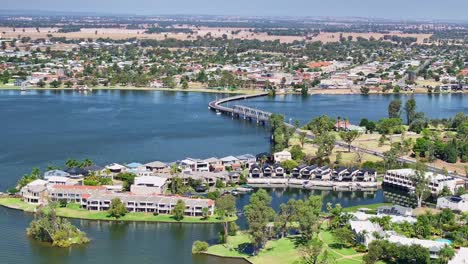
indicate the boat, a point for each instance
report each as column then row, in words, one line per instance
column 218, row 112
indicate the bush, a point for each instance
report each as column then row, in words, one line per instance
column 361, row 248
column 199, row 247
column 233, row 228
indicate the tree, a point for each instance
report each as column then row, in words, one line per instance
column 345, row 235
column 420, row 182
column 258, row 214
column 41, row 83
column 68, row 84
column 289, row 165
column 296, row 153
column 72, row 163
column 225, row 208
column 326, row 144
column 321, row 125
column 410, row 109
column 117, row 209
column 446, row 254
column 349, row 137
column 174, row 171
column 365, row 90
column 199, row 247
column 302, row 138
column 307, row 215
column 86, row 163
column 55, row 83
column 179, row 210
column 311, row 253
column 285, row 217
column 394, row 108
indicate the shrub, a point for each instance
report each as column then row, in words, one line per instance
column 199, row 247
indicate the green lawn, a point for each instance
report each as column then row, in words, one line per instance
column 284, row 251
column 74, row 211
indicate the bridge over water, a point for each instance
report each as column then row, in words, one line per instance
column 241, row 111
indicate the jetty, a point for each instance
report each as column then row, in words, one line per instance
column 240, row 111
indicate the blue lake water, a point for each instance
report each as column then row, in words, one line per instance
column 41, row 128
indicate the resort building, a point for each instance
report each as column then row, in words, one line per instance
column 455, row 203
column 433, row 246
column 160, row 204
column 402, row 178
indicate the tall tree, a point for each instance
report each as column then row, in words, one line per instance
column 117, row 209
column 179, row 210
column 420, row 182
column 307, row 216
column 349, row 137
column 259, row 213
column 285, row 217
column 410, row 109
column 225, row 207
column 394, row 108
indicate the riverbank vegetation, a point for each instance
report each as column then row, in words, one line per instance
column 49, row 227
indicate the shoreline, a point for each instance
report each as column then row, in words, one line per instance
column 239, row 91
column 28, row 208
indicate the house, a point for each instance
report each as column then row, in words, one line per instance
column 282, row 156
column 134, row 165
column 246, row 159
column 59, row 180
column 342, row 125
column 455, row 203
column 34, row 192
column 323, row 173
column 77, row 172
column 279, row 171
column 53, row 173
column 149, row 185
column 156, row 166
column 73, row 193
column 234, row 177
column 255, row 171
column 229, row 160
column 433, row 246
column 268, row 170
column 364, row 231
column 116, row 168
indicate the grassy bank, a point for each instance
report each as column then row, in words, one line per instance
column 368, row 206
column 74, row 211
column 284, row 250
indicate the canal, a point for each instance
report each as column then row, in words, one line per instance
column 41, row 128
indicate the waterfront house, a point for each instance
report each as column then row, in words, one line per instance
column 53, row 173
column 234, row 177
column 156, row 166
column 73, row 193
column 133, row 165
column 116, row 168
column 295, row 173
column 246, row 160
column 322, row 173
column 268, row 170
column 282, row 156
column 94, row 168
column 214, row 164
column 401, row 178
column 34, row 192
column 77, row 172
column 149, row 185
column 455, row 203
column 306, row 171
column 279, row 171
column 229, row 160
column 60, row 180
column 366, row 175
column 255, row 171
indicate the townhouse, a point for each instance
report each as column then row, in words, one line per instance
column 402, row 178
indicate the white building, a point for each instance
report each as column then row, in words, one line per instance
column 461, row 257
column 433, row 246
column 149, row 185
column 456, row 203
column 364, row 231
column 282, row 156
column 402, row 178
column 34, row 192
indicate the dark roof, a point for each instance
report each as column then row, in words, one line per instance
column 455, row 199
column 77, row 171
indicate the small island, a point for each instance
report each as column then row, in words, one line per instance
column 50, row 228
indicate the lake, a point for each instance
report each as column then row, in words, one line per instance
column 41, row 128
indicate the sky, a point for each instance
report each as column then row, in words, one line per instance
column 394, row 9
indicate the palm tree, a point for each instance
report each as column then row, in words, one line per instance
column 446, row 254
column 174, row 173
